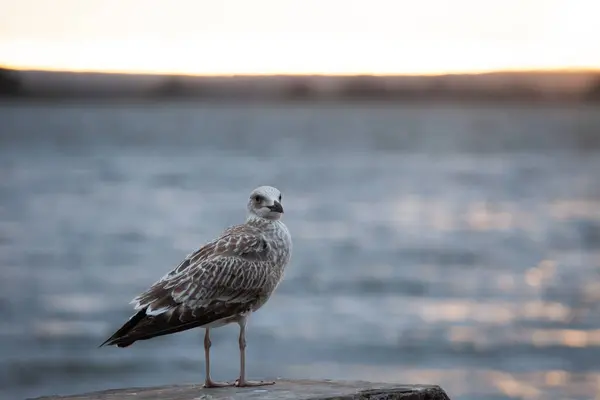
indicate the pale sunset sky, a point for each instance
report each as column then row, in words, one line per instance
column 300, row 36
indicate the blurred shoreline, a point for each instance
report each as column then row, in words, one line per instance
column 548, row 87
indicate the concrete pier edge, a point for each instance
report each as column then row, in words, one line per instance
column 283, row 389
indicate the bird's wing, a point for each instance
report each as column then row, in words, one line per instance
column 224, row 270
column 221, row 279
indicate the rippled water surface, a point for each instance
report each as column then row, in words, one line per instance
column 435, row 244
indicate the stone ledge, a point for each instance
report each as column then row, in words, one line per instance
column 283, row 389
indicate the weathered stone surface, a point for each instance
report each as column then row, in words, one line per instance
column 283, row 389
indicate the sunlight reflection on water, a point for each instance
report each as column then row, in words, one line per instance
column 462, row 258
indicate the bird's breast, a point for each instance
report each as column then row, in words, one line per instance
column 281, row 243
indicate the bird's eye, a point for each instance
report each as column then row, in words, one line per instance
column 280, row 198
column 257, row 198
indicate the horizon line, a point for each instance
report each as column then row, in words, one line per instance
column 116, row 71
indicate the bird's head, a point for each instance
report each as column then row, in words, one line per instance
column 265, row 202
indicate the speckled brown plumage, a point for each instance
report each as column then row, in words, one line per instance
column 230, row 276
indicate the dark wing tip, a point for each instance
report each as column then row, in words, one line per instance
column 119, row 337
column 119, row 342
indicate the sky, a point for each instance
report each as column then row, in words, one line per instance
column 299, row 36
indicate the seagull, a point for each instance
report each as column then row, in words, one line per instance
column 222, row 282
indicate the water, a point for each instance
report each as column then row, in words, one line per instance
column 433, row 244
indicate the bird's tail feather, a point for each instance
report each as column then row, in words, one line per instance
column 142, row 326
column 118, row 337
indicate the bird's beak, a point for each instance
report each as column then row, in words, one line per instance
column 276, row 207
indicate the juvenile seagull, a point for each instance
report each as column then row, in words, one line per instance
column 222, row 282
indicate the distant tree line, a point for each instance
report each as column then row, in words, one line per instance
column 172, row 87
column 10, row 83
column 593, row 94
column 360, row 88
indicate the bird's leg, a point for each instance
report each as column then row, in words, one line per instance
column 241, row 381
column 208, row 382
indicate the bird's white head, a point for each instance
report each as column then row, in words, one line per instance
column 265, row 202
